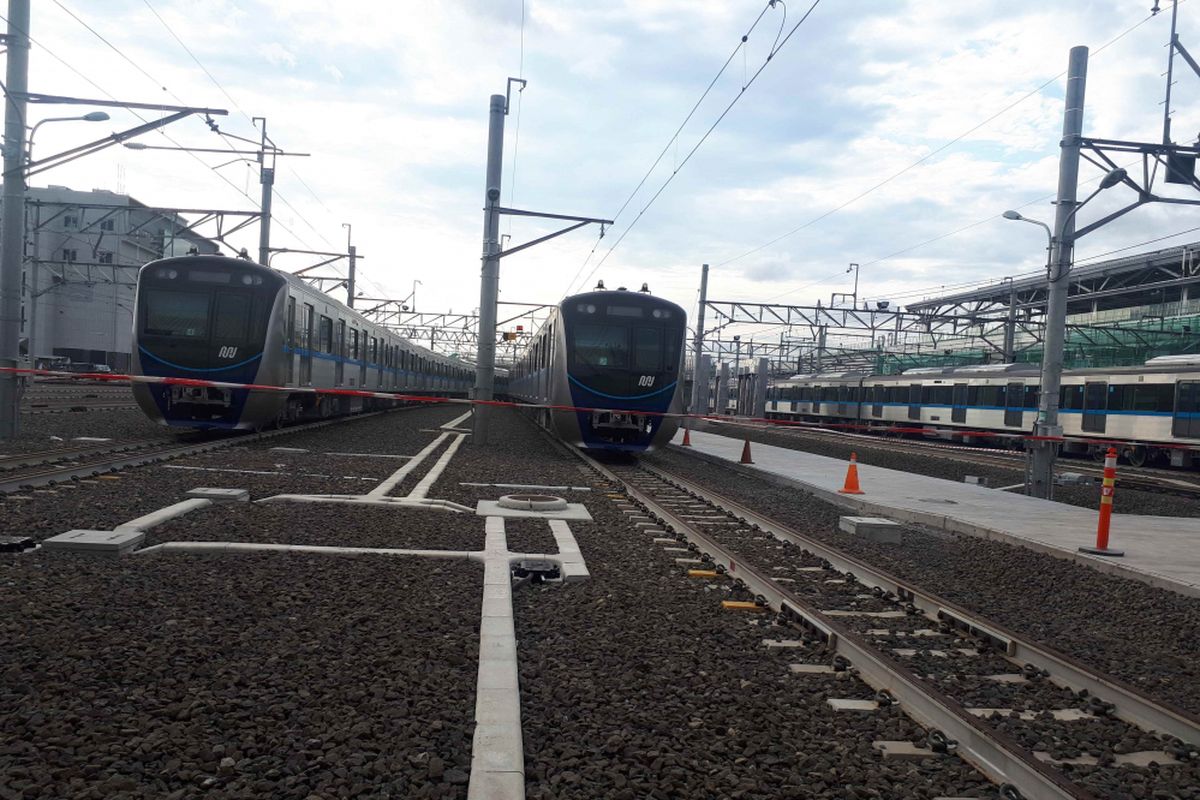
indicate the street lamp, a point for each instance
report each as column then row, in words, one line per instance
column 91, row 116
column 1043, row 448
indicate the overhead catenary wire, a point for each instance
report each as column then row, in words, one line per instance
column 703, row 138
column 740, row 46
column 232, row 146
column 923, row 159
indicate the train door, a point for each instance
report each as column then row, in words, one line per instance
column 339, row 353
column 306, row 344
column 1014, row 406
column 958, row 403
column 1186, row 423
column 914, row 401
column 1095, row 406
column 877, row 406
column 290, row 338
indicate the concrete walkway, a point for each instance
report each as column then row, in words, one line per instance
column 1160, row 551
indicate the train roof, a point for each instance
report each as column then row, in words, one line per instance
column 609, row 294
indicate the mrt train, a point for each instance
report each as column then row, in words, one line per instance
column 1150, row 412
column 233, row 321
column 615, row 358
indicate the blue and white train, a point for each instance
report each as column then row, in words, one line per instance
column 618, row 353
column 234, row 321
column 1152, row 412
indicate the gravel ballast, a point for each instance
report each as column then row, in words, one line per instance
column 1146, row 636
column 636, row 684
column 256, row 676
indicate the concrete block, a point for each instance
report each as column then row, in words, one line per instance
column 573, row 511
column 811, row 669
column 15, row 544
column 839, row 704
column 110, row 543
column 902, row 750
column 977, row 480
column 220, row 495
column 873, row 529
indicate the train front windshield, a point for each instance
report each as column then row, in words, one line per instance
column 203, row 315
column 624, row 346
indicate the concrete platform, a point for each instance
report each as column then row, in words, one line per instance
column 1160, row 551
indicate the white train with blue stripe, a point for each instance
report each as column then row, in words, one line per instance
column 1151, row 412
column 230, row 320
column 619, row 355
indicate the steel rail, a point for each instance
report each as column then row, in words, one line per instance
column 10, row 483
column 1131, row 705
column 996, row 755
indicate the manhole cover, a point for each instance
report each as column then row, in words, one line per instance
column 941, row 500
column 533, row 502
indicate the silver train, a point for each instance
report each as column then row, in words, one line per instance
column 618, row 354
column 1151, row 412
column 230, row 320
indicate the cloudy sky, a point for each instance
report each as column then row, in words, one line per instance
column 391, row 99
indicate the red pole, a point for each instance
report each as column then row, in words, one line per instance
column 1107, row 489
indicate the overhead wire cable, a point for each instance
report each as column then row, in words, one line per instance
column 135, row 113
column 512, row 181
column 1034, row 92
column 703, row 138
column 672, row 142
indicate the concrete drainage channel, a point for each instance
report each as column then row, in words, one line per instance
column 497, row 755
column 871, row 625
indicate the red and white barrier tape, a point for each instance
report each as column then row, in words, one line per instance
column 114, row 377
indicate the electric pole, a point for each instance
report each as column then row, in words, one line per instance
column 12, row 229
column 698, row 374
column 266, row 177
column 489, row 290
column 1044, row 448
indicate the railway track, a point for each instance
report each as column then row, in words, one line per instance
column 1038, row 722
column 1141, row 478
column 31, row 470
column 70, row 404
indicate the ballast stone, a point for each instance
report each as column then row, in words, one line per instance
column 873, row 529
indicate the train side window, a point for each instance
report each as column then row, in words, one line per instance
column 1071, row 397
column 1031, row 395
column 340, row 341
column 325, row 335
column 306, row 326
column 647, row 349
column 1154, row 397
column 290, row 332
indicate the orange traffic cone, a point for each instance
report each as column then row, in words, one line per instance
column 851, row 486
column 746, row 453
column 687, row 438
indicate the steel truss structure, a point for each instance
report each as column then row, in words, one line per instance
column 817, row 338
column 453, row 333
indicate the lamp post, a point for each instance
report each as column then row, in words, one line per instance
column 91, row 116
column 1043, row 448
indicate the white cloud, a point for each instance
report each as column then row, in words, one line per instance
column 391, row 100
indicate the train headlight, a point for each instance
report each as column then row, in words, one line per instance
column 587, row 308
column 247, row 279
column 172, row 274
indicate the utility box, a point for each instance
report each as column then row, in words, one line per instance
column 873, row 529
column 977, row 480
column 105, row 543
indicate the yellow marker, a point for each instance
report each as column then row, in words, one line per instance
column 742, row 605
column 108, row 477
column 702, row 573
